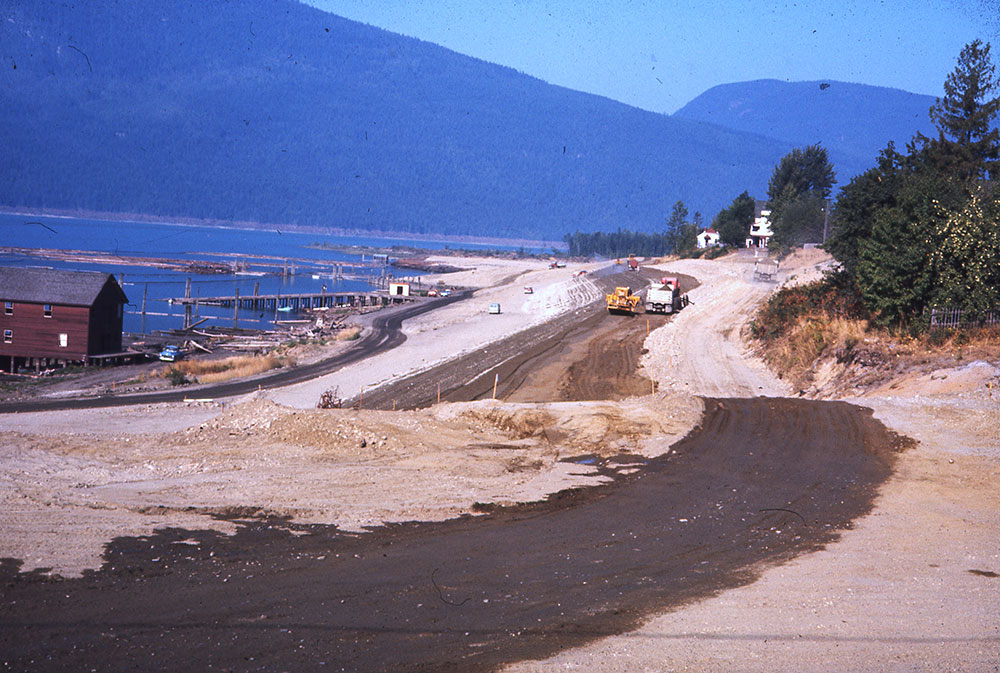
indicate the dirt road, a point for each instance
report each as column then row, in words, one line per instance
column 906, row 587
column 472, row 593
column 704, row 352
column 586, row 354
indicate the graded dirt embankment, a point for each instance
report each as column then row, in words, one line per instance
column 909, row 586
column 469, row 593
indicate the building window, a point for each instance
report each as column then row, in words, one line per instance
column 63, row 340
column 8, row 336
column 47, row 310
column 8, row 307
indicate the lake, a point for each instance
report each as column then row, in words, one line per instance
column 267, row 257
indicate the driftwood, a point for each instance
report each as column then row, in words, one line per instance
column 195, row 344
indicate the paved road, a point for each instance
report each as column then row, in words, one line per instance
column 385, row 334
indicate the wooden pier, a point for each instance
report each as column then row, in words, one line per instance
column 296, row 301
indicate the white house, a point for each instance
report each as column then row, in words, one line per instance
column 708, row 238
column 399, row 289
column 760, row 230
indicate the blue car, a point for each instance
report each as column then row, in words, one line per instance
column 171, row 354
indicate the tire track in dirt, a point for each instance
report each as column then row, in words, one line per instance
column 740, row 493
column 472, row 593
column 586, row 354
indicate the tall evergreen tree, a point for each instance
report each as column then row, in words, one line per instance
column 968, row 144
column 733, row 223
column 894, row 272
column 866, row 194
column 675, row 225
column 922, row 230
column 799, row 186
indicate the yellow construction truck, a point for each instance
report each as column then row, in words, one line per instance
column 623, row 301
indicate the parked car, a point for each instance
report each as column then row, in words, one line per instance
column 528, row 289
column 495, row 308
column 171, row 353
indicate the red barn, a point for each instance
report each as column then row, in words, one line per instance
column 53, row 316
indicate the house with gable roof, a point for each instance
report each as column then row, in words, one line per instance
column 708, row 238
column 54, row 316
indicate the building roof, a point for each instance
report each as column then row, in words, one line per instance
column 54, row 286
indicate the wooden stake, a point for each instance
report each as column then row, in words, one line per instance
column 361, row 397
column 439, row 392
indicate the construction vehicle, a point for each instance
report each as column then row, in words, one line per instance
column 633, row 263
column 665, row 296
column 623, row 301
column 765, row 269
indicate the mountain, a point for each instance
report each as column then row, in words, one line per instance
column 273, row 111
column 853, row 121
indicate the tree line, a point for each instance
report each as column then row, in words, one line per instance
column 921, row 229
column 679, row 236
column 917, row 231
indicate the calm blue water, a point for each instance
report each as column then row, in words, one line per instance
column 264, row 251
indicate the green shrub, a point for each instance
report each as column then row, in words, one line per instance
column 176, row 377
column 833, row 296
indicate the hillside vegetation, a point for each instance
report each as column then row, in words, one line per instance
column 917, row 245
column 272, row 111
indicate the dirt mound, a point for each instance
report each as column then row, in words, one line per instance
column 601, row 428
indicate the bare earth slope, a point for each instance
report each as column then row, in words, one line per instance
column 913, row 586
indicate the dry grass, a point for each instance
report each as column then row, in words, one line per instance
column 349, row 334
column 215, row 371
column 519, row 423
column 795, row 354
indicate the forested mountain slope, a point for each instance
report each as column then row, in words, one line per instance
column 273, row 111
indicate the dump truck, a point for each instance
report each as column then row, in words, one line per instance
column 623, row 301
column 765, row 269
column 665, row 296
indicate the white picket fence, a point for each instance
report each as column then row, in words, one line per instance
column 952, row 318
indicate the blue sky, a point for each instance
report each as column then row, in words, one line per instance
column 660, row 55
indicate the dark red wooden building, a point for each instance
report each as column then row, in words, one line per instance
column 49, row 316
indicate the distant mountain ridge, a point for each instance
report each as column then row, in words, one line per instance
column 853, row 121
column 273, row 111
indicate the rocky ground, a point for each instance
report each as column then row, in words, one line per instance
column 913, row 586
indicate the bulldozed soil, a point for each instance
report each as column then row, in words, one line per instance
column 636, row 532
column 470, row 593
